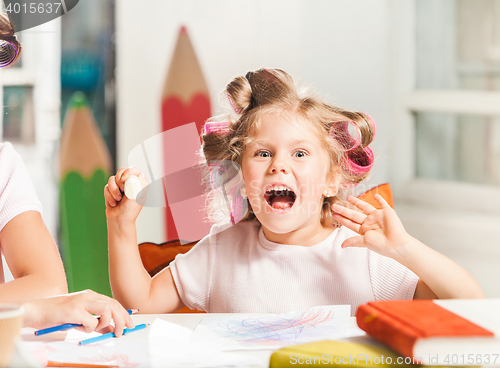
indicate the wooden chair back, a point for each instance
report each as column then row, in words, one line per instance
column 155, row 257
column 384, row 190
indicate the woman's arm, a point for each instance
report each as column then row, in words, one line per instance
column 130, row 282
column 381, row 231
column 33, row 259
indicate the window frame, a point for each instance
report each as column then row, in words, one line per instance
column 409, row 100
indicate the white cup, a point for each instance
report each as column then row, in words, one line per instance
column 11, row 321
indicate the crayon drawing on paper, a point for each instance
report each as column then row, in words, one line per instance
column 247, row 331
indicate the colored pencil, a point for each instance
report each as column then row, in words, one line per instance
column 112, row 334
column 68, row 326
column 85, row 167
column 185, row 99
column 79, row 365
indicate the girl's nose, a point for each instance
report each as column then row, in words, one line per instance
column 279, row 166
column 273, row 171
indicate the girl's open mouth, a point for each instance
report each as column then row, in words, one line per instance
column 280, row 200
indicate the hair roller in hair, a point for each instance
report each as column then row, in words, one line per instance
column 346, row 133
column 359, row 163
column 232, row 103
column 8, row 53
column 238, row 209
column 216, row 127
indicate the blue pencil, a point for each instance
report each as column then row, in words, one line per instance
column 112, row 334
column 68, row 326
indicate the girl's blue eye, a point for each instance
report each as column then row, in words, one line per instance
column 262, row 153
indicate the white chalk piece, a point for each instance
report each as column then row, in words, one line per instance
column 132, row 187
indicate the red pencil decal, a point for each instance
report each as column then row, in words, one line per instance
column 185, row 100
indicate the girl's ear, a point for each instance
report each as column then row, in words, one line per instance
column 332, row 186
column 330, row 191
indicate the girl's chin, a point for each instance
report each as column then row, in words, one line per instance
column 278, row 229
column 278, row 223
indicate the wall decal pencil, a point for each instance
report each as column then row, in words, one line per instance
column 185, row 99
column 85, row 166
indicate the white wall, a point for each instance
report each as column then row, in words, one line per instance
column 41, row 57
column 339, row 47
column 359, row 53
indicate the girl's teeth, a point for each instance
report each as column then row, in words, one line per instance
column 278, row 188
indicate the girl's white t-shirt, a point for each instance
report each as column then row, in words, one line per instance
column 238, row 270
column 17, row 194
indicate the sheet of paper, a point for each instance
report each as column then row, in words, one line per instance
column 164, row 329
column 163, row 344
column 170, row 346
column 271, row 331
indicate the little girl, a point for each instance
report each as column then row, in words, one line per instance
column 300, row 244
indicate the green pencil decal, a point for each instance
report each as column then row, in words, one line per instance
column 85, row 167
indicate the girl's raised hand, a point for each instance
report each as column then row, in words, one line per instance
column 380, row 230
column 117, row 204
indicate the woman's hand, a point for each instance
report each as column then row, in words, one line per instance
column 77, row 308
column 117, row 204
column 380, row 230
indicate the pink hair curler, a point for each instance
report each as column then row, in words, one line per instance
column 216, row 127
column 357, row 169
column 8, row 53
column 340, row 132
column 220, row 175
column 237, row 209
column 232, row 103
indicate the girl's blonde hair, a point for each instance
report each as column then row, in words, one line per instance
column 272, row 91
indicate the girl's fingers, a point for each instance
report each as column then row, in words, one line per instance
column 109, row 198
column 118, row 178
column 354, row 242
column 352, row 215
column 381, row 201
column 114, row 189
column 362, row 205
column 351, row 225
column 128, row 172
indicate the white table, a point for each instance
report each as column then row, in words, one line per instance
column 190, row 321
